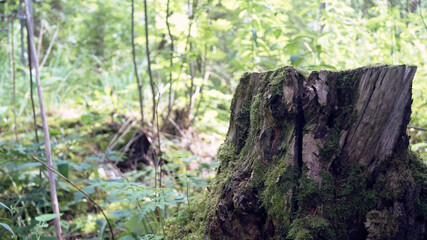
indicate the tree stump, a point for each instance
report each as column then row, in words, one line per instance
column 320, row 155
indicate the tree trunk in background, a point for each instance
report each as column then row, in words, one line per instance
column 318, row 156
column 21, row 31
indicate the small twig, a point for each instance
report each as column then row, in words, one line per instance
column 138, row 81
column 113, row 144
column 135, row 136
column 81, row 190
column 49, row 49
column 199, row 90
column 122, row 128
column 417, row 128
column 177, row 127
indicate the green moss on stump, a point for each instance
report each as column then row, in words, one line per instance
column 348, row 202
column 311, row 227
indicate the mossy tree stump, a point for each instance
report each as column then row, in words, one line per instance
column 321, row 155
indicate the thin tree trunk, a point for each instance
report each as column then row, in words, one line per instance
column 31, row 85
column 190, row 90
column 147, row 47
column 12, row 54
column 170, row 102
column 187, row 43
column 22, row 26
column 138, row 81
column 51, row 177
column 205, row 60
column 190, row 62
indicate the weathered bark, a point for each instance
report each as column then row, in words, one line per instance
column 318, row 156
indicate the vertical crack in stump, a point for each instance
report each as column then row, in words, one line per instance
column 299, row 124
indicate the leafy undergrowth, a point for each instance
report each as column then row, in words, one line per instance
column 93, row 152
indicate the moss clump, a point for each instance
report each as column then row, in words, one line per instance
column 190, row 223
column 419, row 173
column 254, row 116
column 339, row 200
column 311, row 227
column 226, row 155
column 392, row 184
column 309, row 196
column 243, row 117
column 332, row 146
column 243, row 124
column 399, row 176
column 353, row 200
column 277, row 194
column 382, row 225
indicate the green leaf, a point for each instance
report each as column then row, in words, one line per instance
column 277, row 32
column 3, row 205
column 48, row 217
column 101, row 223
column 65, row 224
column 79, row 195
column 94, row 158
column 133, row 225
column 63, row 169
column 81, row 166
column 8, row 228
column 115, row 158
column 296, row 59
column 119, row 213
